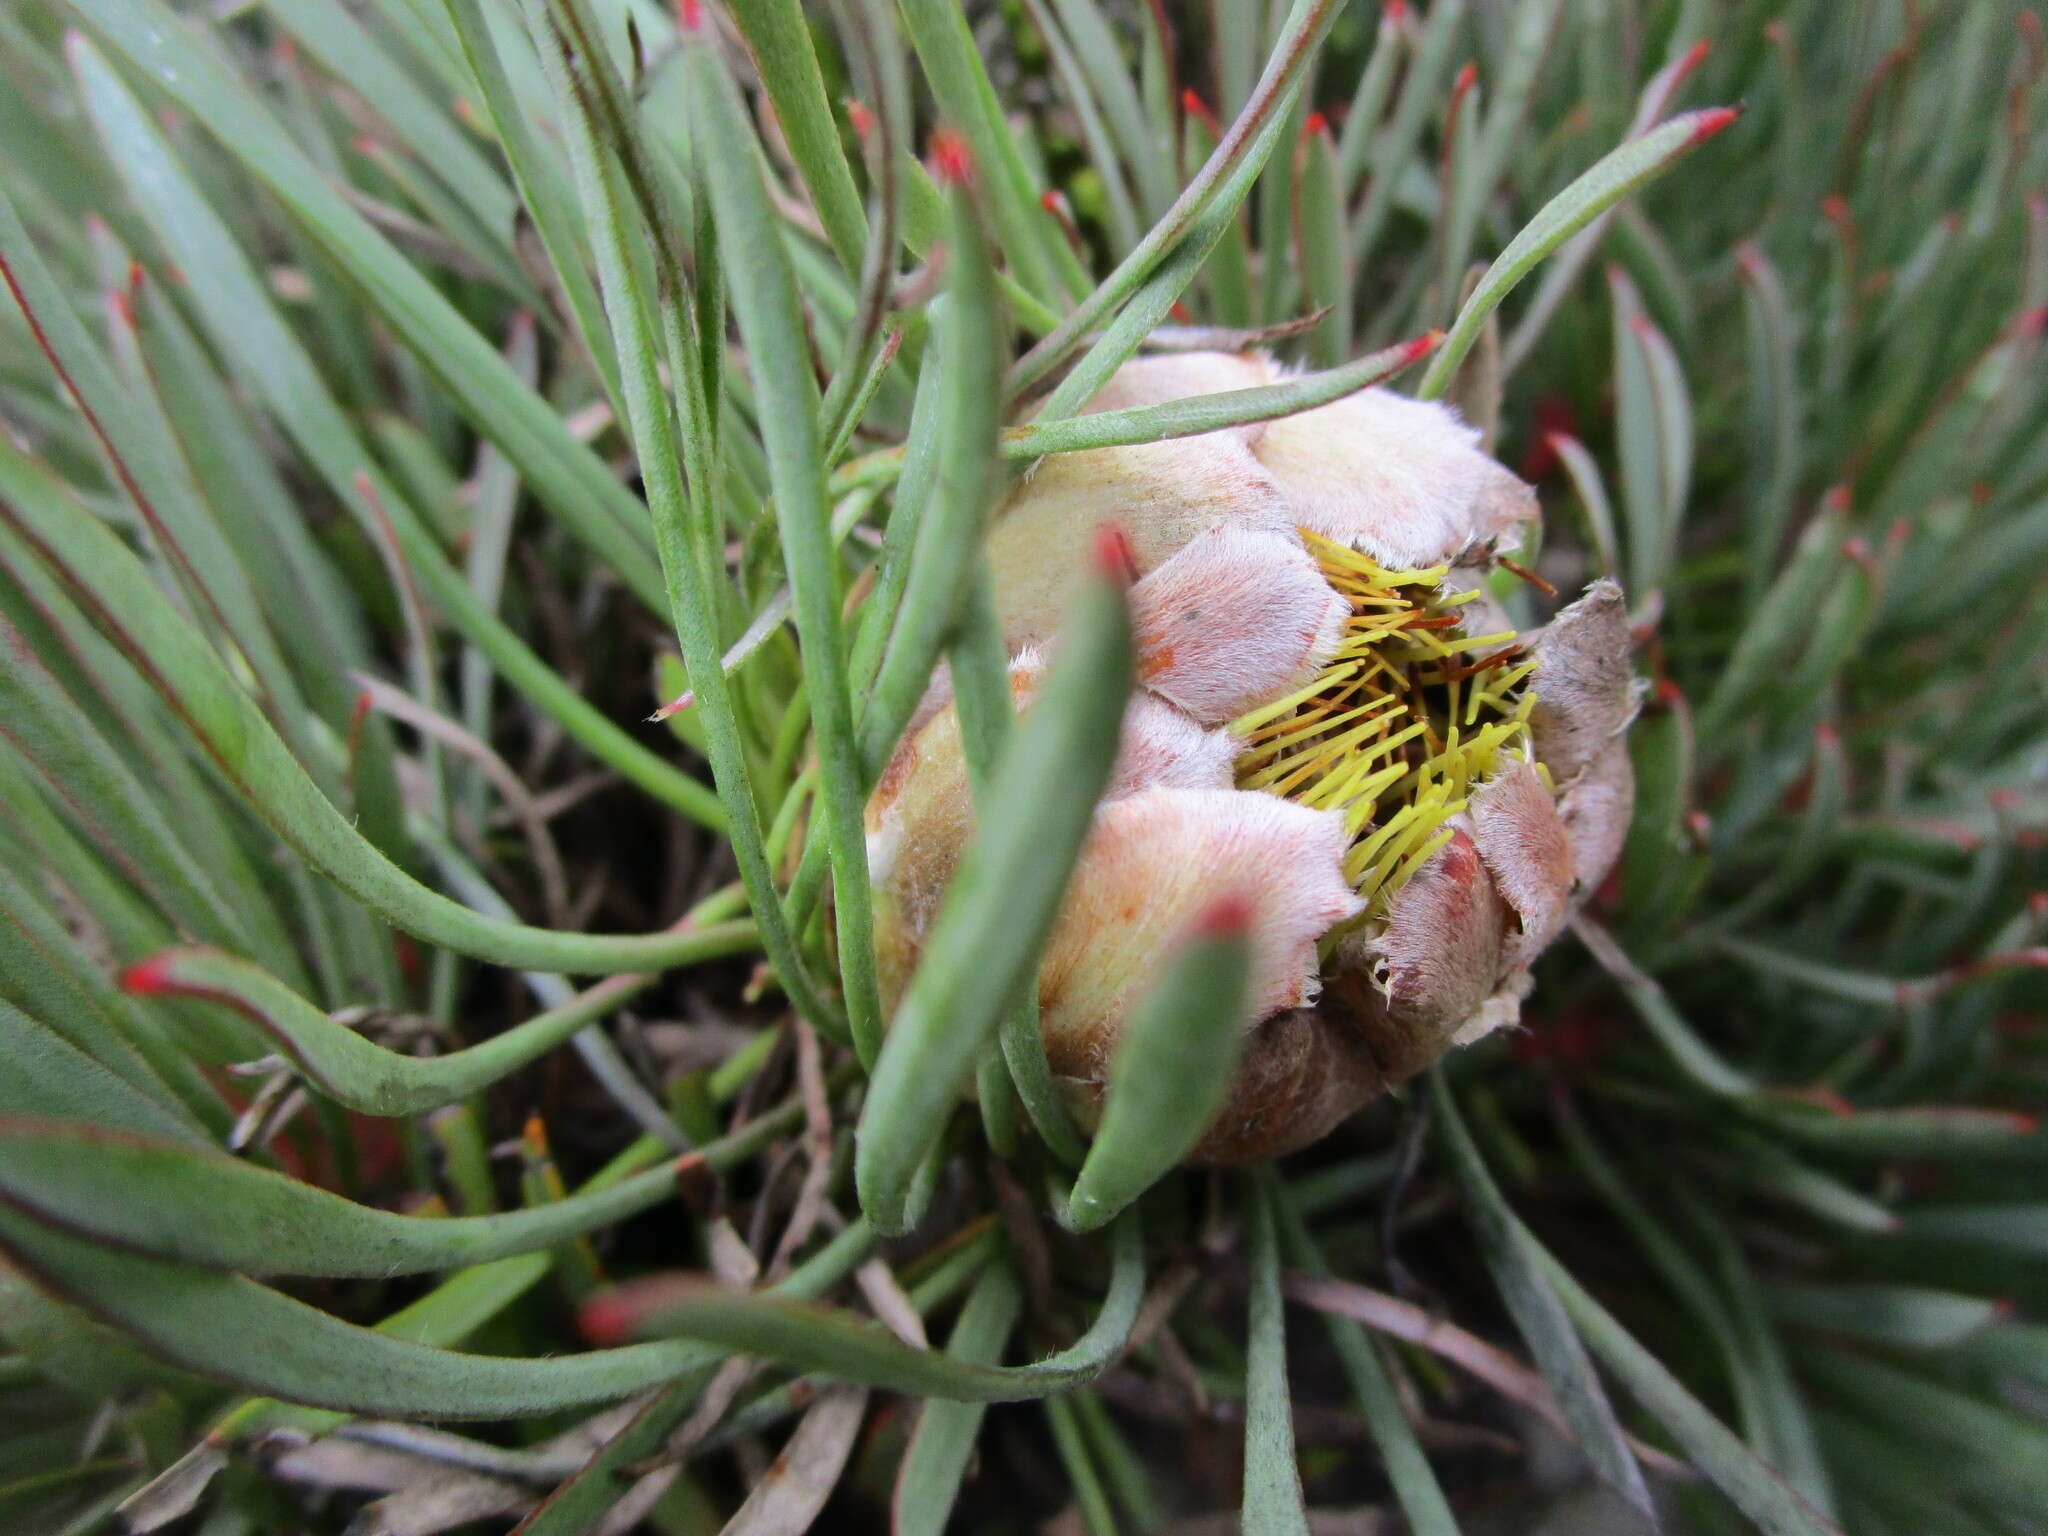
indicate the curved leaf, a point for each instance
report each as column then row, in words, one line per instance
column 189, row 1204
column 235, row 1330
column 1618, row 174
column 844, row 1344
column 364, row 1075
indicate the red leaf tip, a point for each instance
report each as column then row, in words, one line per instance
column 862, row 119
column 1315, row 124
column 675, row 706
column 1421, row 347
column 606, row 1320
column 1229, row 916
column 952, row 162
column 1466, row 79
column 1710, row 122
column 1396, row 9
column 690, row 15
column 149, row 978
column 1113, row 556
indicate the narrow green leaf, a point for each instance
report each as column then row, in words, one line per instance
column 1778, row 623
column 1272, row 1482
column 1074, row 76
column 1911, row 1316
column 1937, row 1132
column 1071, row 1446
column 928, row 1482
column 1539, row 1317
column 1327, row 277
column 1623, row 171
column 1591, row 487
column 981, row 694
column 1102, row 61
column 1226, row 279
column 952, row 511
column 1778, row 1172
column 692, row 599
column 1415, row 1485
column 1535, row 26
column 235, row 1330
column 1654, row 427
column 1700, row 1062
column 1211, row 413
column 47, row 1075
column 1732, row 1467
column 769, row 313
column 984, row 946
column 368, row 1077
column 2017, row 1226
column 144, row 463
column 779, row 38
column 1360, row 128
column 850, row 1346
column 1173, row 1067
column 1775, row 414
column 166, row 1200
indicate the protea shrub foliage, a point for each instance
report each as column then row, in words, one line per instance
column 1053, row 765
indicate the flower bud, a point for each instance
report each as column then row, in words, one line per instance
column 1331, row 717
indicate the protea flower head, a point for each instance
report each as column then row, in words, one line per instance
column 1332, row 718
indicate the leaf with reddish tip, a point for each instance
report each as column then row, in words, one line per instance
column 1173, row 1065
column 1619, row 174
